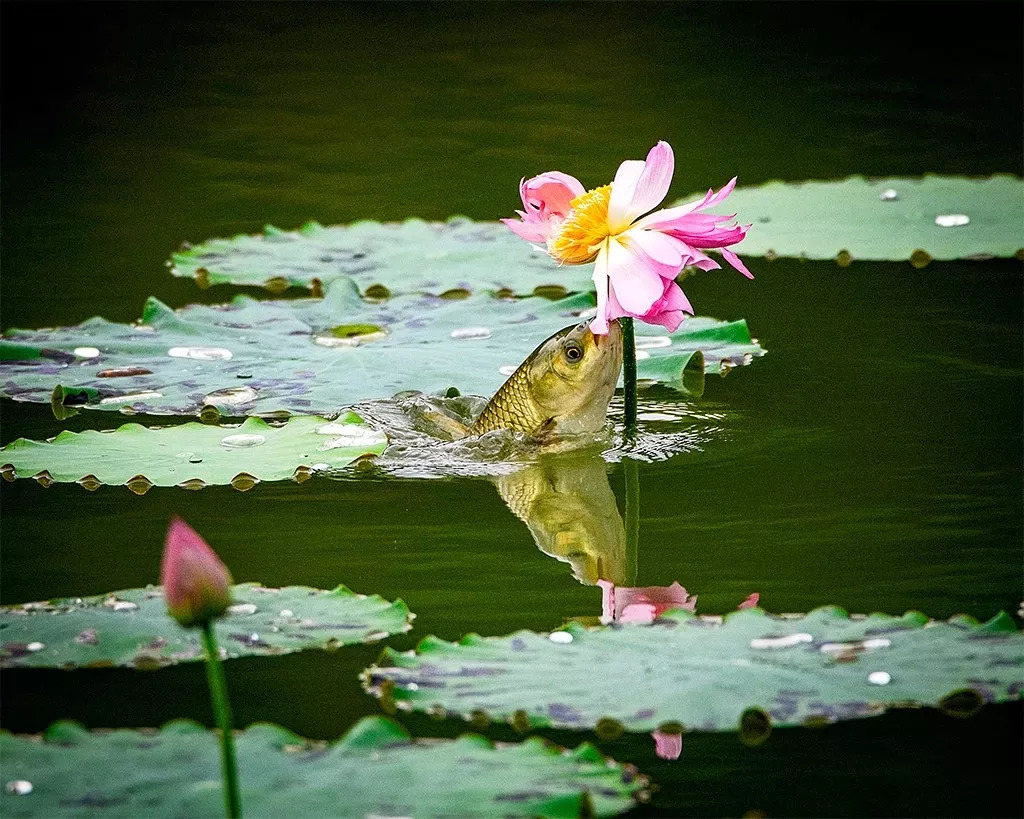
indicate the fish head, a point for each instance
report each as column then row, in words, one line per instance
column 572, row 377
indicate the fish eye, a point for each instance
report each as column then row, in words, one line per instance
column 573, row 351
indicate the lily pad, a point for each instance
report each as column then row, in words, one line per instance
column 254, row 357
column 408, row 257
column 132, row 627
column 376, row 769
column 895, row 219
column 194, row 455
column 709, row 674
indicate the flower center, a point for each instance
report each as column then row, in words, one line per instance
column 578, row 238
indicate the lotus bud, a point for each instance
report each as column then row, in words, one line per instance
column 197, row 585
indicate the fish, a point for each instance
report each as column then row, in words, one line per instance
column 557, row 398
column 563, row 388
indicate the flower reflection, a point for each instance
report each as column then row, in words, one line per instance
column 569, row 508
column 667, row 744
column 642, row 605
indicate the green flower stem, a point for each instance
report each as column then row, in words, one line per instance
column 631, row 471
column 629, row 375
column 222, row 715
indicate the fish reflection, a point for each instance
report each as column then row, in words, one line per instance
column 567, row 503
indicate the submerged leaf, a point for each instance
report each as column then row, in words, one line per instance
column 131, row 627
column 916, row 219
column 251, row 357
column 708, row 675
column 376, row 769
column 194, row 455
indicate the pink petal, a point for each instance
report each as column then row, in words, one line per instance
column 659, row 251
column 532, row 231
column 750, row 602
column 667, row 746
column 636, row 284
column 652, row 186
column 623, row 188
column 640, row 186
column 638, row 613
column 550, row 193
column 669, row 310
column 663, row 218
column 599, row 325
column 734, row 260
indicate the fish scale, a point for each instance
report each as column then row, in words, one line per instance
column 511, row 408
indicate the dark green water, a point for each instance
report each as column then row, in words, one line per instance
column 872, row 459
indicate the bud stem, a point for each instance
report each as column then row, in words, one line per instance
column 629, row 376
column 222, row 716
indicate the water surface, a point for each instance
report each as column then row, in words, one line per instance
column 871, row 459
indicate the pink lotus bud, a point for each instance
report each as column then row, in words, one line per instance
column 197, row 585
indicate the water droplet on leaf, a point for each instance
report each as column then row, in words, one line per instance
column 19, row 787
column 786, row 641
column 232, row 396
column 889, row 195
column 471, row 332
column 242, row 609
column 201, row 353
column 35, row 646
column 242, row 440
column 131, row 397
column 952, row 220
column 879, row 678
column 561, row 637
column 86, row 352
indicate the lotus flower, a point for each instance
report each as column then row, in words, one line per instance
column 197, row 585
column 637, row 257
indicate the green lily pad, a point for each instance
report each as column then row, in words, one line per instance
column 896, row 219
column 263, row 357
column 376, row 769
column 194, row 455
column 411, row 257
column 132, row 627
column 707, row 674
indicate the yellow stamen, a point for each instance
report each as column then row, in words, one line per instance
column 577, row 239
